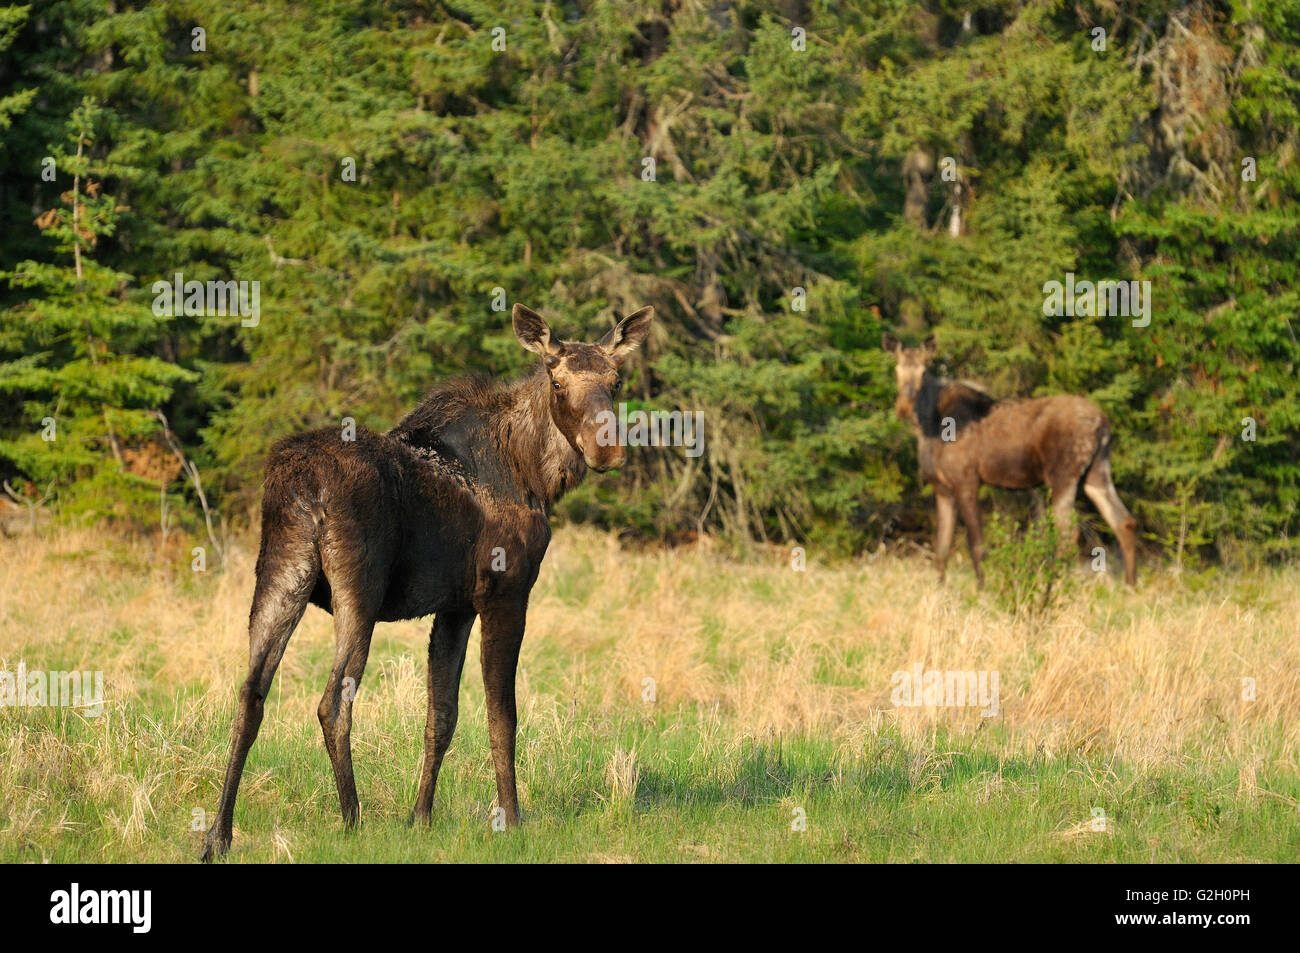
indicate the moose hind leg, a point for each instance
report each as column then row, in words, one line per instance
column 283, row 590
column 354, row 626
column 1067, row 528
column 1100, row 488
column 447, row 644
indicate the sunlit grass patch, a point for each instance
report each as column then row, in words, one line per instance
column 675, row 706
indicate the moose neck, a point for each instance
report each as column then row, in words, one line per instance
column 501, row 435
column 538, row 457
column 925, row 408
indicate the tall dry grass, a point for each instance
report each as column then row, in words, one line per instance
column 772, row 648
column 744, row 650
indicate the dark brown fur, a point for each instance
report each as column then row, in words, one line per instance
column 966, row 438
column 446, row 514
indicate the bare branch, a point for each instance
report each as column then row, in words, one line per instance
column 192, row 471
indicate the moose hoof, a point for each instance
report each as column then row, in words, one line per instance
column 215, row 846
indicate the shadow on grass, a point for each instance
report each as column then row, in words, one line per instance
column 767, row 773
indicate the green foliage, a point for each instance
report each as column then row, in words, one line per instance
column 85, row 379
column 525, row 169
column 1025, row 570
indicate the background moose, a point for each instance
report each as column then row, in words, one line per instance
column 1060, row 441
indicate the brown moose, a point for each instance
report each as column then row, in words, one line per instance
column 966, row 438
column 446, row 514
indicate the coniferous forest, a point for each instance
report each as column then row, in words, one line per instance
column 784, row 181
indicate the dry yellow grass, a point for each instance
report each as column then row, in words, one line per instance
column 739, row 651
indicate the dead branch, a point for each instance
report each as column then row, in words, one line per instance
column 192, row 471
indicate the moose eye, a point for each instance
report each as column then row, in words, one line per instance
column 556, row 385
column 618, row 385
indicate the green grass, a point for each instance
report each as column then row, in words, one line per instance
column 1143, row 725
column 696, row 796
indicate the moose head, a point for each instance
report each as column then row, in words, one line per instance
column 910, row 371
column 583, row 380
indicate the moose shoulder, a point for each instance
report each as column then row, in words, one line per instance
column 966, row 438
column 446, row 514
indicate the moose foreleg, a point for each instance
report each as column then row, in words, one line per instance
column 969, row 507
column 503, row 632
column 945, row 525
column 446, row 661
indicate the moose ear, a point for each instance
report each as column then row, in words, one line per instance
column 930, row 347
column 891, row 344
column 626, row 336
column 533, row 332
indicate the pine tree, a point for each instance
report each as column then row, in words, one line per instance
column 87, row 387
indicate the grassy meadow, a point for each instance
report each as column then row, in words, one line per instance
column 771, row 710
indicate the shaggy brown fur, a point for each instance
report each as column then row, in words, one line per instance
column 966, row 438
column 445, row 514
